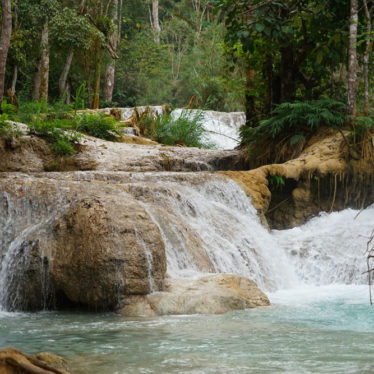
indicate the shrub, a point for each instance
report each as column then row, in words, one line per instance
column 296, row 119
column 5, row 126
column 185, row 130
column 8, row 109
column 283, row 135
column 98, row 125
column 62, row 142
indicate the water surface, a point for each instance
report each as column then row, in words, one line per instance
column 325, row 329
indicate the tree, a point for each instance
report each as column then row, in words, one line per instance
column 352, row 59
column 292, row 47
column 114, row 39
column 6, row 32
column 368, row 48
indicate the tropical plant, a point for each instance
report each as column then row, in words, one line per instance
column 98, row 125
column 186, row 129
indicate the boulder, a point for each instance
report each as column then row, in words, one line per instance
column 211, row 294
column 13, row 361
column 69, row 243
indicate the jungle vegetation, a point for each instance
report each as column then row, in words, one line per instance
column 269, row 58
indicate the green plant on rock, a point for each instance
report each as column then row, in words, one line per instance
column 5, row 126
column 276, row 181
column 62, row 141
column 297, row 119
column 283, row 135
column 186, row 130
column 98, row 125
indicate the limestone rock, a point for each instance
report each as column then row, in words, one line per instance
column 211, row 294
column 13, row 361
column 320, row 179
column 76, row 243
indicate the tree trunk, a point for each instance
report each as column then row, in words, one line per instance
column 156, row 22
column 6, row 32
column 287, row 75
column 96, row 101
column 249, row 98
column 352, row 60
column 62, row 83
column 35, row 96
column 14, row 79
column 44, row 67
column 268, row 73
column 110, row 70
column 368, row 48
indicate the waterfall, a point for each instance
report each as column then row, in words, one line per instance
column 207, row 223
column 213, row 227
column 330, row 248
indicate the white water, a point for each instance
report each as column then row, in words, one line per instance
column 208, row 225
column 213, row 227
column 321, row 321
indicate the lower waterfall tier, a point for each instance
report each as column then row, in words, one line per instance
column 92, row 239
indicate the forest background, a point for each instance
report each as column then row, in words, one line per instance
column 225, row 55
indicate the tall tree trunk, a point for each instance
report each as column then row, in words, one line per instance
column 6, row 32
column 368, row 48
column 110, row 70
column 14, row 79
column 44, row 71
column 96, row 101
column 35, row 96
column 249, row 98
column 62, row 83
column 352, row 60
column 156, row 22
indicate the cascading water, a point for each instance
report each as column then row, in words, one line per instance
column 208, row 224
column 213, row 227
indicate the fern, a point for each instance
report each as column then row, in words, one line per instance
column 295, row 120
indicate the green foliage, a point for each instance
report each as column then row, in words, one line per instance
column 362, row 125
column 62, row 141
column 187, row 129
column 276, row 181
column 296, row 120
column 80, row 97
column 98, row 125
column 8, row 109
column 30, row 111
column 70, row 30
column 5, row 126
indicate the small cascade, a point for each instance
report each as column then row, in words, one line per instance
column 330, row 248
column 23, row 267
column 212, row 227
column 148, row 260
column 207, row 224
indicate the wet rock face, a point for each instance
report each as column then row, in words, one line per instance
column 75, row 244
column 101, row 252
column 212, row 294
